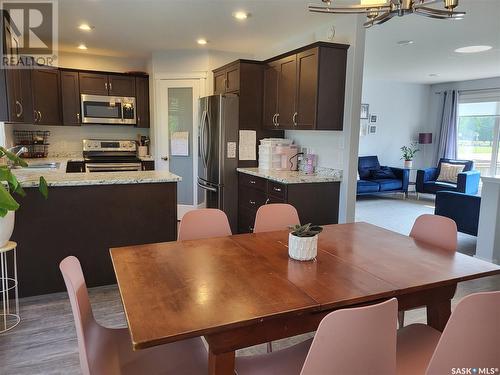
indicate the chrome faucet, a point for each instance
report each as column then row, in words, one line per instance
column 20, row 150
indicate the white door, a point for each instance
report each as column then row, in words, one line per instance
column 176, row 136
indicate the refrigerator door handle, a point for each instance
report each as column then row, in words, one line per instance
column 203, row 186
column 209, row 131
column 202, row 137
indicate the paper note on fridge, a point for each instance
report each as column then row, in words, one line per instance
column 179, row 144
column 248, row 145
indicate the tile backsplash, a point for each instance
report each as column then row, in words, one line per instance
column 67, row 140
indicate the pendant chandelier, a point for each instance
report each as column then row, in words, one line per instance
column 381, row 11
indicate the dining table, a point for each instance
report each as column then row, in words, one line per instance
column 243, row 290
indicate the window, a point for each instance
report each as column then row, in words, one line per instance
column 479, row 133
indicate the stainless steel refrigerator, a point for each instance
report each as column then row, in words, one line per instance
column 218, row 154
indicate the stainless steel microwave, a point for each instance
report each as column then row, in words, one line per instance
column 100, row 109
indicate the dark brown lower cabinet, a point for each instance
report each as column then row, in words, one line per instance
column 86, row 221
column 316, row 203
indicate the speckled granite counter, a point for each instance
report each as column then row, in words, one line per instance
column 289, row 177
column 29, row 177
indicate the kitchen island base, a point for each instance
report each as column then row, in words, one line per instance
column 86, row 221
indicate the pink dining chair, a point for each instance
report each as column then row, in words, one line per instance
column 434, row 230
column 274, row 217
column 350, row 341
column 109, row 351
column 203, row 223
column 469, row 340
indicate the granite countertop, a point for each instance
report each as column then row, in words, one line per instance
column 293, row 177
column 29, row 177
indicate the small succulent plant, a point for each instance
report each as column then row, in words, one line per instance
column 307, row 230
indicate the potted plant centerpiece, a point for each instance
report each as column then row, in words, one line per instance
column 408, row 154
column 9, row 185
column 303, row 242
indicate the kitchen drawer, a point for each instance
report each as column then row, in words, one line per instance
column 250, row 198
column 276, row 190
column 246, row 221
column 271, row 199
column 252, row 182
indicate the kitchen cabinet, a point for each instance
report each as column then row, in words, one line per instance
column 316, row 203
column 306, row 88
column 142, row 101
column 46, row 90
column 93, row 83
column 227, row 79
column 70, row 96
column 121, row 85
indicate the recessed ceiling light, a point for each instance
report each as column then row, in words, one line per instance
column 405, row 42
column 82, row 46
column 240, row 15
column 86, row 27
column 473, row 49
column 202, row 41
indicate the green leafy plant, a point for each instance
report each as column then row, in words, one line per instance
column 409, row 152
column 9, row 183
column 307, row 230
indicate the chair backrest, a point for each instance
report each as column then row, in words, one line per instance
column 355, row 341
column 366, row 164
column 470, row 339
column 469, row 164
column 203, row 223
column 436, row 230
column 80, row 305
column 276, row 216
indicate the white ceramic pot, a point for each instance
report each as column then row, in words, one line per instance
column 408, row 164
column 6, row 227
column 302, row 248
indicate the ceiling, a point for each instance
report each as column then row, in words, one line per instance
column 434, row 43
column 136, row 28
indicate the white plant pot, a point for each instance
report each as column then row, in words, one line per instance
column 302, row 248
column 6, row 227
column 408, row 164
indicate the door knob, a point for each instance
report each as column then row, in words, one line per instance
column 164, row 158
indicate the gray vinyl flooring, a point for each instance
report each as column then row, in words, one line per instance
column 45, row 341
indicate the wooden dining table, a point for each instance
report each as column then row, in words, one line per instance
column 244, row 290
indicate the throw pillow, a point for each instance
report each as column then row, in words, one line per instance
column 384, row 173
column 449, row 172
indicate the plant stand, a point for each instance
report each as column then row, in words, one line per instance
column 9, row 316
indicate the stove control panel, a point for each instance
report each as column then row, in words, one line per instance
column 108, row 145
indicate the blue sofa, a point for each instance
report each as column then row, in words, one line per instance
column 462, row 208
column 467, row 182
column 369, row 183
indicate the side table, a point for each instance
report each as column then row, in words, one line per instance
column 9, row 315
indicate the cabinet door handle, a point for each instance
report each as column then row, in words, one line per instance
column 106, row 86
column 20, row 113
column 251, row 182
column 251, row 202
column 294, row 119
column 277, row 122
column 267, row 201
column 78, row 117
column 39, row 116
column 110, row 86
column 277, row 189
column 226, row 83
column 251, row 229
column 274, row 119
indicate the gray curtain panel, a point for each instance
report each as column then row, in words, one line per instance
column 447, row 147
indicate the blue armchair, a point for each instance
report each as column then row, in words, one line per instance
column 467, row 182
column 376, row 179
column 463, row 208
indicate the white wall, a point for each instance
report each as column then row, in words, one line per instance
column 402, row 113
column 436, row 106
column 86, row 61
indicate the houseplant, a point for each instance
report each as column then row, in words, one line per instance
column 8, row 186
column 408, row 154
column 303, row 242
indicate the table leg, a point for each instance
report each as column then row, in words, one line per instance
column 221, row 364
column 438, row 314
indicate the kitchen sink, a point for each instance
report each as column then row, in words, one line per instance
column 43, row 166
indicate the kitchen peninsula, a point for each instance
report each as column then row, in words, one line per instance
column 85, row 215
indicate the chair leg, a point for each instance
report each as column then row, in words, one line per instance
column 401, row 319
column 269, row 347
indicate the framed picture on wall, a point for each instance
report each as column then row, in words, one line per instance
column 373, row 118
column 372, row 129
column 365, row 110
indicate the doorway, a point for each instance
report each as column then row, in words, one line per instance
column 176, row 136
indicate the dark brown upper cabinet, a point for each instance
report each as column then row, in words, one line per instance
column 93, row 83
column 142, row 101
column 227, row 79
column 46, row 89
column 121, row 85
column 306, row 88
column 70, row 96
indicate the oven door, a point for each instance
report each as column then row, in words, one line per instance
column 113, row 167
column 99, row 109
